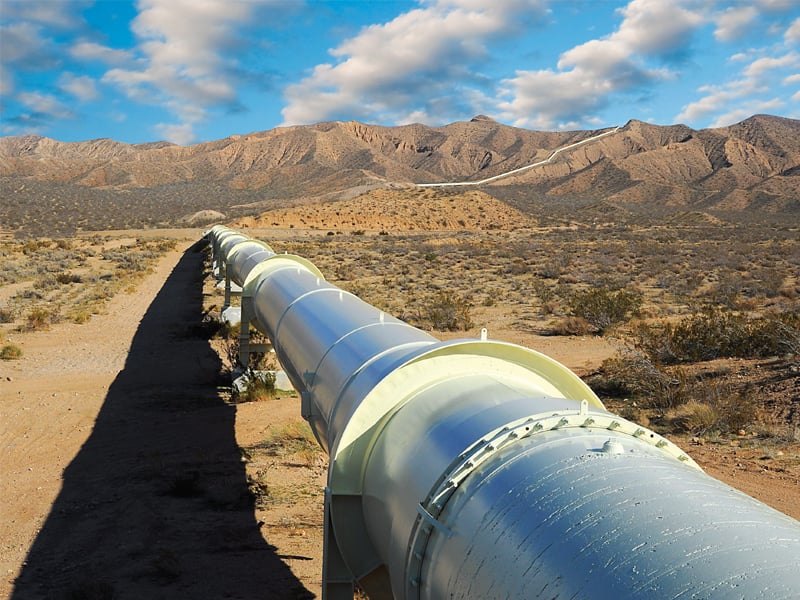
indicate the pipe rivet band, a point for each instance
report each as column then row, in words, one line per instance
column 478, row 453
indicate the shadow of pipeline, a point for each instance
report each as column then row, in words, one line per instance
column 156, row 503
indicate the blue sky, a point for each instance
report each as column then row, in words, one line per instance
column 189, row 71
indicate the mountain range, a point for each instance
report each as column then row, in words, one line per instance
column 752, row 165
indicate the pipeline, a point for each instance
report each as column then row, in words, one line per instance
column 480, row 469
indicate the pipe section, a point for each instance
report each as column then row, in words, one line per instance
column 480, row 469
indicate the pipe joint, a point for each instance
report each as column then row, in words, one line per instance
column 499, row 440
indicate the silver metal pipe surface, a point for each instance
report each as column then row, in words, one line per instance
column 479, row 469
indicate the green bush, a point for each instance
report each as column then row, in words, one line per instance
column 715, row 333
column 572, row 326
column 632, row 374
column 695, row 404
column 715, row 405
column 446, row 311
column 39, row 319
column 257, row 385
column 67, row 277
column 603, row 307
column 10, row 352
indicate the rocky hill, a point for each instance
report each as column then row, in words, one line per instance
column 753, row 165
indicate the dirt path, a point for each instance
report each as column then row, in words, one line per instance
column 121, row 476
column 49, row 402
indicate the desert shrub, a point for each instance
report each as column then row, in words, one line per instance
column 735, row 408
column 295, row 441
column 715, row 405
column 695, row 404
column 45, row 283
column 161, row 245
column 603, row 307
column 126, row 260
column 32, row 246
column 694, row 417
column 67, row 277
column 633, row 374
column 255, row 386
column 230, row 344
column 81, row 316
column 572, row 326
column 517, row 266
column 727, row 290
column 446, row 311
column 547, row 296
column 6, row 315
column 10, row 352
column 39, row 318
column 715, row 333
column 345, row 272
column 769, row 281
column 553, row 267
column 293, row 437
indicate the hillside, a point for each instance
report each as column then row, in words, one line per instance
column 753, row 165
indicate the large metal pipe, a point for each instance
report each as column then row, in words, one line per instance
column 480, row 469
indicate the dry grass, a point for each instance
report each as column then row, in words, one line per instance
column 704, row 278
column 10, row 352
column 46, row 281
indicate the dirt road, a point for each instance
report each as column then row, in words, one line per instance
column 121, row 474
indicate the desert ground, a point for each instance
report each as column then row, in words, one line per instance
column 127, row 469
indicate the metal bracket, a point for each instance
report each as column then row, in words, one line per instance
column 305, row 404
column 337, row 581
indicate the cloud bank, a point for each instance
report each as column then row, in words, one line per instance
column 423, row 65
column 187, row 63
column 180, row 69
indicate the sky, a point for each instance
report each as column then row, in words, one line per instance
column 190, row 71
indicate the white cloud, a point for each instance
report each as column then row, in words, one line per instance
column 762, row 76
column 748, row 109
column 734, row 22
column 6, row 82
column 44, row 104
column 655, row 27
column 85, row 50
column 760, row 67
column 186, row 57
column 59, row 15
column 182, row 134
column 590, row 73
column 407, row 67
column 756, row 18
column 81, row 86
column 777, row 5
column 23, row 45
column 792, row 34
